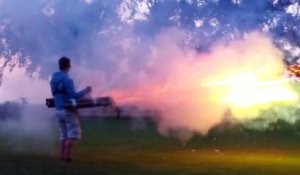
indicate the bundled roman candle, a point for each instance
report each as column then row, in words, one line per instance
column 83, row 103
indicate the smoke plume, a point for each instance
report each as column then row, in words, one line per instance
column 173, row 80
column 27, row 128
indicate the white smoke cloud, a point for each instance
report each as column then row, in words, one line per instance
column 27, row 129
column 89, row 1
column 165, row 75
column 49, row 9
column 19, row 84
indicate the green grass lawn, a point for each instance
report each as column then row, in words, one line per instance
column 111, row 146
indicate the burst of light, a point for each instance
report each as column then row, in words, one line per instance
column 248, row 90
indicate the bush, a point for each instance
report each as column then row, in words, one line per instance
column 11, row 110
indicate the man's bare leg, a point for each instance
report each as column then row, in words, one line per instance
column 63, row 149
column 69, row 149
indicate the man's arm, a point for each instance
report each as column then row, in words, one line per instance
column 71, row 90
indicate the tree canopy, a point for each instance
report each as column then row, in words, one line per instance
column 35, row 32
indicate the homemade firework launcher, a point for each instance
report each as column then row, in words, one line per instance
column 87, row 103
column 84, row 103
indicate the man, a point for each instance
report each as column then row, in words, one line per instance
column 62, row 88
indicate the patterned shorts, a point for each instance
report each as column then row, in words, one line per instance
column 69, row 125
